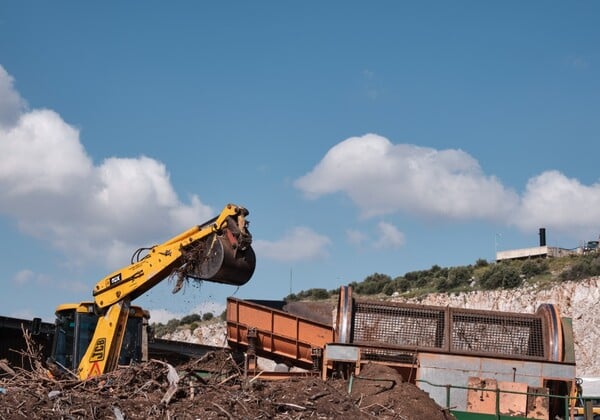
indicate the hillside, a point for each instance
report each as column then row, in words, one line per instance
column 571, row 283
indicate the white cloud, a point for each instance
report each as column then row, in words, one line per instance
column 299, row 244
column 389, row 236
column 31, row 279
column 23, row 277
column 11, row 103
column 41, row 154
column 51, row 187
column 27, row 277
column 356, row 237
column 384, row 178
column 559, row 203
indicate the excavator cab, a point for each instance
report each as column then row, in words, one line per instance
column 75, row 325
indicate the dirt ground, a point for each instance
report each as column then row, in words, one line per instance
column 212, row 387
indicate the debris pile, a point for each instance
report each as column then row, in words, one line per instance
column 212, row 387
column 380, row 391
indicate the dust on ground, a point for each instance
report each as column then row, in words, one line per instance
column 211, row 387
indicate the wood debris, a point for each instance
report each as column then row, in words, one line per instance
column 212, row 387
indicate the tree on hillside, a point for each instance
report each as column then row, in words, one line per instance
column 373, row 284
column 500, row 275
column 459, row 276
column 188, row 319
column 534, row 267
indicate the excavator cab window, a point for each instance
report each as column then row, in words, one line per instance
column 84, row 331
column 62, row 351
column 131, row 350
column 74, row 332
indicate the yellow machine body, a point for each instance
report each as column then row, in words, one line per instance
column 217, row 251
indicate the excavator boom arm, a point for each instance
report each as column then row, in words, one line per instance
column 217, row 251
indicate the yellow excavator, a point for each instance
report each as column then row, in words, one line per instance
column 93, row 338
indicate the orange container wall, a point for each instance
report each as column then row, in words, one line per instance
column 278, row 333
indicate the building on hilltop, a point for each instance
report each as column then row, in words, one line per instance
column 544, row 251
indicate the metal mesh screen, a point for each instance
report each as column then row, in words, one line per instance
column 506, row 334
column 448, row 329
column 401, row 326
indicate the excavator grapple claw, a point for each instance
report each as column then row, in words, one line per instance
column 220, row 260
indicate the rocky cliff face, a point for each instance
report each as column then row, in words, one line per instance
column 213, row 334
column 577, row 300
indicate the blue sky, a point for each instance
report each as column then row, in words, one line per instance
column 363, row 137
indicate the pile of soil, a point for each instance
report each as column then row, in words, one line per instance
column 212, row 387
column 381, row 391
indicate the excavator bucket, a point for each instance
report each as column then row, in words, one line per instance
column 221, row 259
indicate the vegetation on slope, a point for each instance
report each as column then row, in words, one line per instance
column 191, row 322
column 479, row 276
